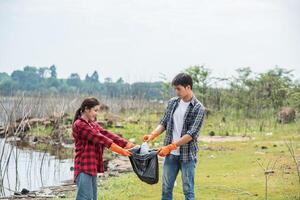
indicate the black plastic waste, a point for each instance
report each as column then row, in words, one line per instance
column 145, row 165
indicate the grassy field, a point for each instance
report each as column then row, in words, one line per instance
column 225, row 170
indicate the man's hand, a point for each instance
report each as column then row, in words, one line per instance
column 129, row 145
column 164, row 151
column 150, row 137
column 159, row 129
column 119, row 150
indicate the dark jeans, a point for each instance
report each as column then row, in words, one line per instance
column 86, row 187
column 172, row 165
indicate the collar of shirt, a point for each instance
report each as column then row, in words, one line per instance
column 193, row 100
column 88, row 122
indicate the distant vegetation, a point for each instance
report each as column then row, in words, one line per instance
column 43, row 80
column 246, row 93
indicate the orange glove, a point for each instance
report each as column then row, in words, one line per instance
column 150, row 137
column 129, row 145
column 119, row 150
column 164, row 151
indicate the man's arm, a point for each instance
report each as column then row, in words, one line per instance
column 197, row 124
column 162, row 125
column 193, row 131
column 183, row 140
column 191, row 134
column 160, row 129
column 165, row 150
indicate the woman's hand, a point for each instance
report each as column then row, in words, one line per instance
column 129, row 145
column 119, row 150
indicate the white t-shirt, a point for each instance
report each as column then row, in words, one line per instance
column 178, row 117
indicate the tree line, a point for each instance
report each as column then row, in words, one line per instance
column 248, row 92
column 44, row 80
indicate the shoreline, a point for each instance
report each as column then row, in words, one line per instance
column 118, row 165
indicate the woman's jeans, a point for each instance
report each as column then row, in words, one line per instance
column 86, row 187
column 171, row 167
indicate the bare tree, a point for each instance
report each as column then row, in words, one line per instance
column 290, row 145
column 269, row 169
column 11, row 130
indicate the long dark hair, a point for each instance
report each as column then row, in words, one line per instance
column 87, row 103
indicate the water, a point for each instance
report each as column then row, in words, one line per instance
column 31, row 169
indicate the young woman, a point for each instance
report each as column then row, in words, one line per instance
column 90, row 139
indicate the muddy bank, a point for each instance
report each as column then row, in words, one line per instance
column 55, row 130
column 27, row 168
column 43, row 141
column 116, row 167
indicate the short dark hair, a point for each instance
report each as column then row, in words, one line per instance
column 183, row 79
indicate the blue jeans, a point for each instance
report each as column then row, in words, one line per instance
column 171, row 167
column 86, row 187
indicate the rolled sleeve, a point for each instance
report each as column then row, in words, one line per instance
column 197, row 123
column 166, row 116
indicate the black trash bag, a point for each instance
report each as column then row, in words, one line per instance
column 145, row 165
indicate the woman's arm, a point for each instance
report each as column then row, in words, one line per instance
column 114, row 137
column 85, row 131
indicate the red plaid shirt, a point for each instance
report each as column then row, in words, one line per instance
column 90, row 139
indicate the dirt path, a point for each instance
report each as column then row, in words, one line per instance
column 224, row 138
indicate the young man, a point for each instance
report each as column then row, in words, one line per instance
column 182, row 121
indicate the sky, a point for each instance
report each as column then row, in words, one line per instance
column 141, row 39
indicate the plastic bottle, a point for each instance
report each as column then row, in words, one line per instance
column 144, row 148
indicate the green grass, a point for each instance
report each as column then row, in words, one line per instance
column 224, row 171
column 232, row 173
column 41, row 131
column 234, row 125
